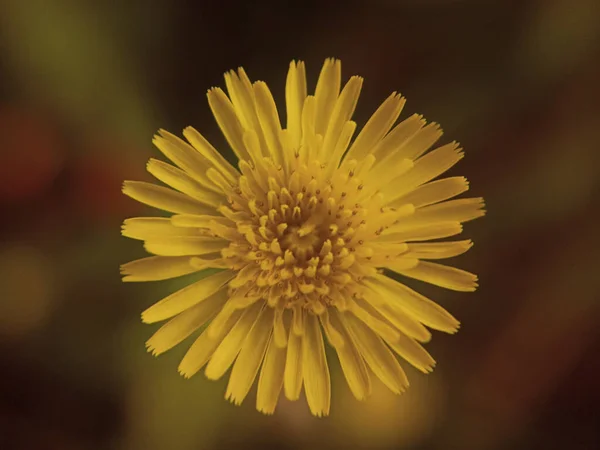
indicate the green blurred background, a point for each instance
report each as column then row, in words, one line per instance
column 85, row 84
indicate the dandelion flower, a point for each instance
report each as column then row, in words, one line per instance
column 309, row 234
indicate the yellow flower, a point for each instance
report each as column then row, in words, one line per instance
column 304, row 233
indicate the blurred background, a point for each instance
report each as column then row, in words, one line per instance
column 85, row 84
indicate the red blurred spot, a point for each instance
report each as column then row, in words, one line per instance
column 32, row 154
column 98, row 176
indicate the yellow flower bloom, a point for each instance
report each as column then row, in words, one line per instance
column 305, row 232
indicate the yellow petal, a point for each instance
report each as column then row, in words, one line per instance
column 221, row 227
column 459, row 210
column 434, row 192
column 151, row 227
column 420, row 307
column 247, row 85
column 393, row 312
column 317, row 384
column 308, row 144
column 184, row 245
column 209, row 261
column 420, row 232
column 377, row 355
column 251, row 356
column 197, row 221
column 342, row 113
column 221, row 319
column 164, row 198
column 298, row 320
column 438, row 250
column 390, row 145
column 157, row 268
column 203, row 347
column 292, row 380
column 219, row 180
column 414, row 353
column 334, row 336
column 185, row 323
column 242, row 100
column 270, row 380
column 341, row 146
column 247, row 273
column 254, row 147
column 421, row 141
column 295, row 94
column 186, row 297
column 351, row 361
column 451, row 211
column 228, row 121
column 401, row 263
column 269, row 121
column 181, row 181
column 376, row 127
column 444, row 276
column 231, row 345
column 243, row 298
column 382, row 176
column 210, row 153
column 184, row 156
column 378, row 326
column 280, row 330
column 425, row 169
column 326, row 93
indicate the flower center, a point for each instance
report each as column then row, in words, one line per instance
column 303, row 236
column 302, row 246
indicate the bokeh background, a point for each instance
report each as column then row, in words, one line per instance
column 85, row 84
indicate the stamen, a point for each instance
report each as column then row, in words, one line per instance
column 298, row 239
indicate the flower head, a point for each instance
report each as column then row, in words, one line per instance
column 304, row 233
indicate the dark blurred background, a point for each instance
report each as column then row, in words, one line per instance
column 85, row 84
